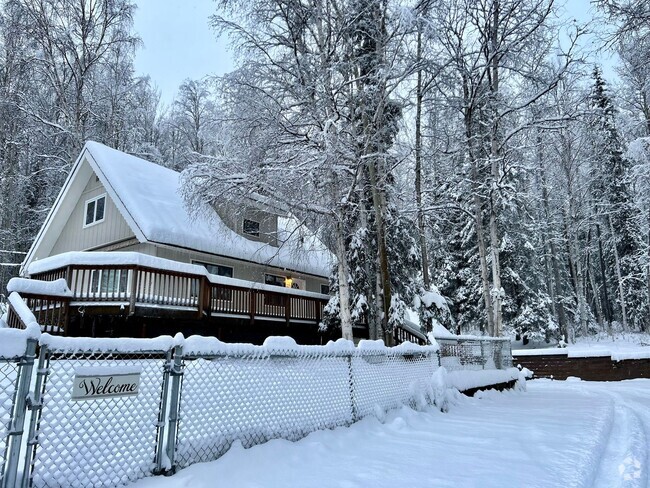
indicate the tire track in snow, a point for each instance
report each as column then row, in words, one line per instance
column 624, row 457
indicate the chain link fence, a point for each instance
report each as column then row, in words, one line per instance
column 102, row 441
column 195, row 398
column 474, row 353
column 254, row 396
column 15, row 375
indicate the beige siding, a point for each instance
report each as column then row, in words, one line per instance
column 74, row 237
column 234, row 219
column 242, row 270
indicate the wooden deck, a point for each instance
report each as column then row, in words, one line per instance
column 137, row 291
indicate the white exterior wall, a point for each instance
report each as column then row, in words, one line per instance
column 242, row 270
column 76, row 237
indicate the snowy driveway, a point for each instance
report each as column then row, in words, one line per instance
column 556, row 434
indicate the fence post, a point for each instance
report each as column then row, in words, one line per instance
column 15, row 434
column 176, row 373
column 34, row 404
column 162, row 413
column 353, row 403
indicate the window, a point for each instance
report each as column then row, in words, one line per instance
column 109, row 281
column 325, row 289
column 276, row 300
column 274, row 280
column 219, row 270
column 95, row 208
column 251, row 228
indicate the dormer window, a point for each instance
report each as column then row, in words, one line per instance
column 251, row 228
column 95, row 208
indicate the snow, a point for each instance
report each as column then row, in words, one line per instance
column 113, row 344
column 466, row 380
column 22, row 310
column 13, row 342
column 619, row 347
column 150, row 195
column 56, row 288
column 433, row 297
column 282, row 345
column 556, row 434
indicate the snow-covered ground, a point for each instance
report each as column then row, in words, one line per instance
column 556, row 434
column 618, row 346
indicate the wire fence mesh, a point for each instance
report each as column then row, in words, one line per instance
column 474, row 354
column 104, row 441
column 191, row 407
column 252, row 398
column 9, row 369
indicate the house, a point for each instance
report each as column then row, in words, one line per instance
column 137, row 262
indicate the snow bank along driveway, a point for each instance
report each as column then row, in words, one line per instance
column 556, row 434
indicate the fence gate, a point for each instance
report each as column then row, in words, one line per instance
column 97, row 433
column 15, row 375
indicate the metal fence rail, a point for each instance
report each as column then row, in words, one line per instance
column 99, row 442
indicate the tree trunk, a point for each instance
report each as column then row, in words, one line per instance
column 619, row 276
column 418, row 168
column 344, row 288
column 607, row 310
column 497, row 290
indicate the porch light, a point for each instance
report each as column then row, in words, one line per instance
column 288, row 281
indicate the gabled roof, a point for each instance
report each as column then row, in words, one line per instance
column 148, row 198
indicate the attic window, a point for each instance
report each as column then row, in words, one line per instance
column 95, row 208
column 251, row 228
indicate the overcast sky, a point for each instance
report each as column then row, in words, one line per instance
column 179, row 42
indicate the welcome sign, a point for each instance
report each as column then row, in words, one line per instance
column 109, row 382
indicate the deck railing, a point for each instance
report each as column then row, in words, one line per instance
column 134, row 286
column 51, row 312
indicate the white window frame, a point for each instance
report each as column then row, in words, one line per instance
column 88, row 202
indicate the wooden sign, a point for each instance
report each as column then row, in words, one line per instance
column 95, row 383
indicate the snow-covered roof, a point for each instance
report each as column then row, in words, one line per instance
column 148, row 197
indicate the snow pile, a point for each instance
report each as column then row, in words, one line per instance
column 56, row 288
column 467, row 380
column 13, row 342
column 73, row 345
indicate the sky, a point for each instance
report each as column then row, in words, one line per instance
column 179, row 42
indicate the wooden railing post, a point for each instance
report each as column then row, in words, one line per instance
column 208, row 297
column 134, row 289
column 251, row 308
column 287, row 309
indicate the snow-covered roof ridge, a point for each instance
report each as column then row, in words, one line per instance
column 149, row 198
